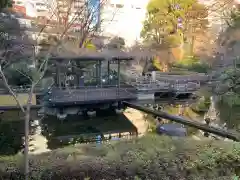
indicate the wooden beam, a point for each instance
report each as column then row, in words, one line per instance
column 226, row 134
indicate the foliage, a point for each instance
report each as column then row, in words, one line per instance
column 229, row 86
column 192, row 64
column 157, row 64
column 202, row 105
column 89, row 45
column 116, row 43
column 5, row 3
column 11, row 137
column 168, row 21
column 233, row 20
column 19, row 73
column 151, row 157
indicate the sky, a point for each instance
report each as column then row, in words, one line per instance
column 94, row 6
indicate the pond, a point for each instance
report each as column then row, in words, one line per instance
column 51, row 133
column 230, row 116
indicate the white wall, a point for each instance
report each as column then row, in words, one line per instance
column 30, row 9
column 33, row 7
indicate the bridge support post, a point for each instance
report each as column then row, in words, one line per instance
column 108, row 72
column 118, row 73
column 100, row 72
column 57, row 76
column 78, row 74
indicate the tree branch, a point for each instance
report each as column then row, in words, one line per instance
column 10, row 90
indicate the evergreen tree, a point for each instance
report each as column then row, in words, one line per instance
column 5, row 3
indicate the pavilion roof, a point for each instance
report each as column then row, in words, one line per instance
column 89, row 55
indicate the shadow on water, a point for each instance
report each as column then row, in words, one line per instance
column 59, row 133
column 11, row 140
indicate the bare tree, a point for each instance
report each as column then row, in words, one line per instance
column 64, row 19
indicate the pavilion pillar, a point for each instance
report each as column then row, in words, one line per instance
column 100, row 72
column 108, row 72
column 77, row 74
column 58, row 74
column 118, row 74
column 96, row 72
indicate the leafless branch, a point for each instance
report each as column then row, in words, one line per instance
column 5, row 81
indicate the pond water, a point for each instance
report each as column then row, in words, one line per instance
column 230, row 116
column 50, row 132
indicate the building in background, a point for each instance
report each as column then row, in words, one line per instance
column 37, row 8
column 32, row 8
column 122, row 18
column 19, row 6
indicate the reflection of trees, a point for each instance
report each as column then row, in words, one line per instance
column 11, row 141
column 230, row 115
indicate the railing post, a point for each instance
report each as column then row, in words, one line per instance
column 85, row 93
column 100, row 72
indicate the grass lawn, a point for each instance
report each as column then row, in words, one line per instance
column 151, row 157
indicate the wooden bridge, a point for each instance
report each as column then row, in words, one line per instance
column 90, row 95
column 70, row 88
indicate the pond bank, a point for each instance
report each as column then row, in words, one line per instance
column 138, row 119
column 149, row 157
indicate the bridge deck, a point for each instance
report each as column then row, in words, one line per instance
column 90, row 96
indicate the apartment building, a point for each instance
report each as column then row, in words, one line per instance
column 19, row 6
column 36, row 8
column 123, row 18
column 71, row 12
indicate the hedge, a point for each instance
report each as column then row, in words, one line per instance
column 151, row 157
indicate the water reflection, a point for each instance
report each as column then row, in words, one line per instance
column 55, row 133
column 50, row 132
column 11, row 140
column 230, row 116
column 77, row 128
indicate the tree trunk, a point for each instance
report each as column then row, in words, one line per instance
column 26, row 148
column 192, row 46
column 27, row 119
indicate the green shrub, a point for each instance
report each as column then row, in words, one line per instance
column 151, row 157
column 192, row 64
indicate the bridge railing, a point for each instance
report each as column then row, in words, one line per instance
column 26, row 88
column 93, row 87
column 21, row 89
column 179, row 85
column 90, row 94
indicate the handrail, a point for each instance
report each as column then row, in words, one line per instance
column 87, row 93
column 27, row 87
column 98, row 87
column 223, row 133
